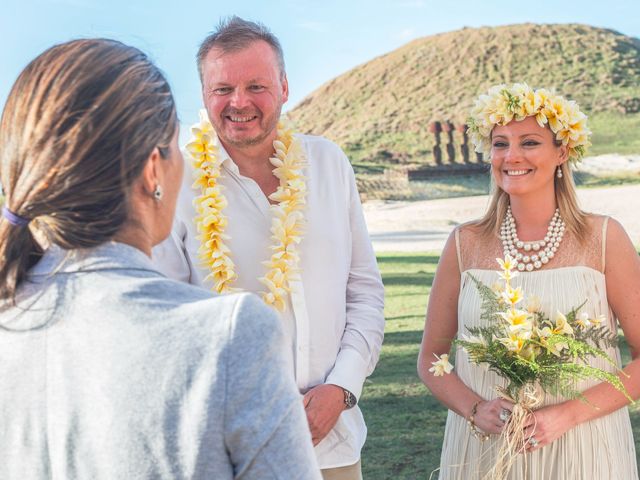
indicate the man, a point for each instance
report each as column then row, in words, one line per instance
column 332, row 311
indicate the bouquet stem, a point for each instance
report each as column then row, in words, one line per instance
column 512, row 438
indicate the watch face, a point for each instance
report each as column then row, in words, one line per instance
column 349, row 399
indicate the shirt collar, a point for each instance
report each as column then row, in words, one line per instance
column 226, row 160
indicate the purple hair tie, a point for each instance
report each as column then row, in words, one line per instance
column 13, row 218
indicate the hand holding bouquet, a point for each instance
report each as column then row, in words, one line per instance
column 534, row 353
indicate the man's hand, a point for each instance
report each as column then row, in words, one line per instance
column 323, row 405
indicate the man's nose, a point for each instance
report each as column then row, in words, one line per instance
column 239, row 99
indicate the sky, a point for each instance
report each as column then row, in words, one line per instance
column 321, row 39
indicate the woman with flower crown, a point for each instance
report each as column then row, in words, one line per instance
column 566, row 258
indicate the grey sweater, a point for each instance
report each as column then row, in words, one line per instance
column 111, row 371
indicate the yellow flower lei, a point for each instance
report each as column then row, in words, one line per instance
column 287, row 214
column 503, row 103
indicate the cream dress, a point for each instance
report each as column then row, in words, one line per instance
column 600, row 449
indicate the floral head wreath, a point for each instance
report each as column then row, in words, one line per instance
column 504, row 103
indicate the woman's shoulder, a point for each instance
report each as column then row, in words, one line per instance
column 470, row 243
column 470, row 231
column 240, row 313
column 611, row 231
column 198, row 301
column 200, row 315
column 604, row 228
column 595, row 222
column 470, row 227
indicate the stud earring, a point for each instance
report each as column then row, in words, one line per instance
column 157, row 193
column 559, row 172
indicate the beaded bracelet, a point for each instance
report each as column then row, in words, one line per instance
column 480, row 435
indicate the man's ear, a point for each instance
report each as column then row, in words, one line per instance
column 285, row 88
column 152, row 173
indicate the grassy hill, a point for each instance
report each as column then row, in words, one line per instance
column 379, row 112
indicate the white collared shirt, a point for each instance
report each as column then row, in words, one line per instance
column 334, row 318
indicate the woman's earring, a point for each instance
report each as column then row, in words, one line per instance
column 559, row 172
column 157, row 193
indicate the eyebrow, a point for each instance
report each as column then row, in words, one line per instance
column 521, row 136
column 252, row 80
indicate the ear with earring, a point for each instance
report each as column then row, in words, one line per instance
column 157, row 193
column 559, row 172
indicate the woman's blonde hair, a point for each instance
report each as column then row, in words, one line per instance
column 77, row 129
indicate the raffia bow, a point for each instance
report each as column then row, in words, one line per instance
column 513, row 441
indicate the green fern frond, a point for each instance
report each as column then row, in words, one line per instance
column 600, row 336
column 539, row 361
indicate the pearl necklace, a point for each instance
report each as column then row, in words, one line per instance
column 536, row 253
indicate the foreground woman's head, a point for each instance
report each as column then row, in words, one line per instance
column 79, row 129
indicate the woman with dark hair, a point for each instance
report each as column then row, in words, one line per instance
column 110, row 370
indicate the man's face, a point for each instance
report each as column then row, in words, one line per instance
column 243, row 93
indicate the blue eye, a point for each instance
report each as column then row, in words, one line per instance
column 222, row 90
column 500, row 144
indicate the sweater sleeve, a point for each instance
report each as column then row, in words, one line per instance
column 266, row 432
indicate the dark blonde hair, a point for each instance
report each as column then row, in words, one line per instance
column 77, row 129
column 234, row 34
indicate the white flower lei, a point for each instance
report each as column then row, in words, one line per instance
column 287, row 222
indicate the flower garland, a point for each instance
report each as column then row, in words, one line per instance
column 503, row 103
column 287, row 223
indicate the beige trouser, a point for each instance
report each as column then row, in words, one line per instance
column 350, row 472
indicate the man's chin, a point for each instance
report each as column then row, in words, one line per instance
column 243, row 141
column 240, row 139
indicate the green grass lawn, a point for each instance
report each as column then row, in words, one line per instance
column 405, row 422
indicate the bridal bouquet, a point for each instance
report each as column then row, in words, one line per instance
column 536, row 354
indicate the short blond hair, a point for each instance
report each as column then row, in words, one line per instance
column 233, row 34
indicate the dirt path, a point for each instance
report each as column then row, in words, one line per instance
column 425, row 225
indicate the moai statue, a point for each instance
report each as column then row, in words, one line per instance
column 464, row 142
column 448, row 128
column 436, row 128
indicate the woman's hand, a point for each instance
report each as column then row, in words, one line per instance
column 491, row 415
column 546, row 425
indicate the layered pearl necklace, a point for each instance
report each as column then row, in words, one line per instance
column 534, row 254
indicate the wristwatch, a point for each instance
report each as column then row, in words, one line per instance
column 349, row 399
